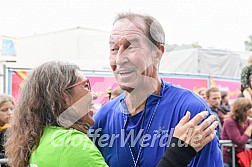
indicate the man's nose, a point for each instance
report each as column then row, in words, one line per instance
column 122, row 56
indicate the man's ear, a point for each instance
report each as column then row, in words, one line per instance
column 161, row 47
column 159, row 53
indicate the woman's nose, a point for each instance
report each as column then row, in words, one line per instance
column 94, row 95
column 9, row 111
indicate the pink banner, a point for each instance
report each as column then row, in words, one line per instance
column 102, row 85
column 190, row 83
column 231, row 87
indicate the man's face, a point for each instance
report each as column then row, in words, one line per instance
column 214, row 99
column 131, row 57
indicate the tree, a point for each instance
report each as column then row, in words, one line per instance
column 169, row 48
column 248, row 43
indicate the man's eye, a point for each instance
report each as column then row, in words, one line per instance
column 113, row 49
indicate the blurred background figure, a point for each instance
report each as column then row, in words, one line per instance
column 202, row 93
column 247, row 93
column 213, row 99
column 115, row 92
column 238, row 126
column 246, row 80
column 224, row 105
column 6, row 107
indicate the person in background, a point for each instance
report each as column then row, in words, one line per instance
column 224, row 105
column 213, row 99
column 6, row 108
column 238, row 126
column 7, row 105
column 245, row 81
column 115, row 92
column 49, row 127
column 247, row 93
column 202, row 93
column 149, row 109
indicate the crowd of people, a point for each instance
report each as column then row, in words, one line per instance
column 234, row 122
column 147, row 123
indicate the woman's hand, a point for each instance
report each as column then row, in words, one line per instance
column 248, row 131
column 195, row 134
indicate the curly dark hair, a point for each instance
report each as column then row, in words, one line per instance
column 40, row 103
column 239, row 110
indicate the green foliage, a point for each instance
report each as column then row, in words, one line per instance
column 169, row 48
column 248, row 43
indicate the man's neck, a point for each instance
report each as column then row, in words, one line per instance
column 136, row 99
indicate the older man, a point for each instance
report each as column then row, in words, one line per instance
column 135, row 128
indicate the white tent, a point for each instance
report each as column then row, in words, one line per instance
column 85, row 47
column 204, row 61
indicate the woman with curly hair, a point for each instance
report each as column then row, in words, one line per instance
column 238, row 126
column 51, row 117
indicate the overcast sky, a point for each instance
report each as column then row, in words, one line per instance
column 221, row 24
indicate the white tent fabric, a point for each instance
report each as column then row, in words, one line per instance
column 181, row 61
column 85, row 47
column 219, row 62
column 204, row 61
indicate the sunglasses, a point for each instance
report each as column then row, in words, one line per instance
column 84, row 84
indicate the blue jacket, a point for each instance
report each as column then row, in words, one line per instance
column 117, row 135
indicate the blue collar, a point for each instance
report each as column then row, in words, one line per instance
column 152, row 99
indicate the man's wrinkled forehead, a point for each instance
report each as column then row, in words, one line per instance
column 125, row 29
